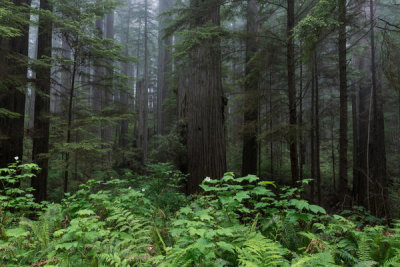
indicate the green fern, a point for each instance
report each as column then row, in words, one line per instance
column 260, row 251
column 324, row 259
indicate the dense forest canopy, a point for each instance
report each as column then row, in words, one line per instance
column 199, row 133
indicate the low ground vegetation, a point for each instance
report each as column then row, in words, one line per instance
column 146, row 221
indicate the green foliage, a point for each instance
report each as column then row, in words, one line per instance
column 12, row 19
column 238, row 221
column 320, row 20
column 12, row 196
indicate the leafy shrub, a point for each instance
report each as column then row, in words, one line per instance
column 146, row 221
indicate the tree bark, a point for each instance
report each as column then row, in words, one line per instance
column 13, row 66
column 107, row 129
column 371, row 185
column 292, row 92
column 164, row 68
column 312, row 134
column 301, row 138
column 317, row 133
column 249, row 156
column 343, row 142
column 378, row 156
column 124, row 95
column 69, row 123
column 206, row 102
column 143, row 109
column 42, row 105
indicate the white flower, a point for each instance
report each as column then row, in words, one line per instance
column 130, row 187
column 207, row 179
column 16, row 158
column 143, row 189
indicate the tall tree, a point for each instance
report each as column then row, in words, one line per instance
column 13, row 66
column 107, row 99
column 164, row 66
column 206, row 101
column 380, row 181
column 144, row 88
column 126, row 70
column 249, row 156
column 371, row 180
column 291, row 66
column 42, row 102
column 343, row 142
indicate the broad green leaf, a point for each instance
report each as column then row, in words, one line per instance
column 241, row 195
column 226, row 246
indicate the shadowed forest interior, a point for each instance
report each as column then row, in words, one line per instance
column 199, row 133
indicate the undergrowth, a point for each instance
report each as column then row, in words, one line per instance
column 146, row 221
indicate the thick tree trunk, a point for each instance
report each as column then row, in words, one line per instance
column 42, row 106
column 164, row 68
column 124, row 95
column 292, row 92
column 13, row 66
column 249, row 156
column 343, row 187
column 206, row 103
column 143, row 107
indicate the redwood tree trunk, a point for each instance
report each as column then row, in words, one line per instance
column 124, row 95
column 143, row 106
column 13, row 66
column 343, row 102
column 292, row 92
column 164, row 68
column 249, row 156
column 42, row 107
column 206, row 103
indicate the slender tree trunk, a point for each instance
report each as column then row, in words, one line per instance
column 356, row 142
column 378, row 156
column 138, row 87
column 292, row 92
column 271, row 144
column 333, row 158
column 108, row 92
column 98, row 87
column 42, row 106
column 301, row 141
column 371, row 184
column 69, row 124
column 249, row 156
column 312, row 134
column 206, row 103
column 343, row 181
column 317, row 133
